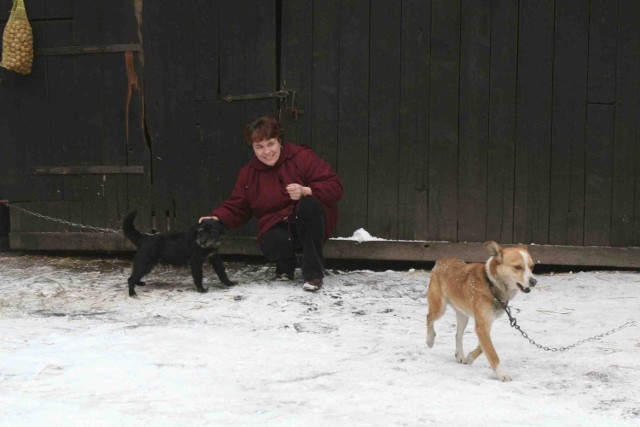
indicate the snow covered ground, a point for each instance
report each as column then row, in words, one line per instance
column 75, row 350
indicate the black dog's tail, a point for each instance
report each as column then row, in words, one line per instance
column 129, row 230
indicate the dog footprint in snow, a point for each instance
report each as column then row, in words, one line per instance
column 314, row 327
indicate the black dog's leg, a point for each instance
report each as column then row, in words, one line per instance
column 218, row 266
column 140, row 269
column 196, row 272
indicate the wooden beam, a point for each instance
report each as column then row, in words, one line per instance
column 86, row 50
column 87, row 170
column 383, row 250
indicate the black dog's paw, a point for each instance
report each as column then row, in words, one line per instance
column 132, row 293
column 203, row 290
column 230, row 283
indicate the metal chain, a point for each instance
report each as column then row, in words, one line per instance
column 62, row 221
column 514, row 324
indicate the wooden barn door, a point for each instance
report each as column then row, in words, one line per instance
column 201, row 58
column 76, row 122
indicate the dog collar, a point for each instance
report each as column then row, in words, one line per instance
column 493, row 283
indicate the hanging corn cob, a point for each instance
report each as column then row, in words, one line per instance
column 17, row 41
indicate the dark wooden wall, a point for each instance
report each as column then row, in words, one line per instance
column 447, row 120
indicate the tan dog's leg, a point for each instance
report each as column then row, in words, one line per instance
column 462, row 320
column 436, row 304
column 483, row 329
column 471, row 357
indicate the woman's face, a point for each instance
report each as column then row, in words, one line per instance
column 267, row 151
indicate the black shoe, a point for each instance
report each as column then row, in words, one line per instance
column 284, row 276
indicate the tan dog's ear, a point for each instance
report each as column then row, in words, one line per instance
column 494, row 249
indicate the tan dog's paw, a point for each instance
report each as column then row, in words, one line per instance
column 502, row 375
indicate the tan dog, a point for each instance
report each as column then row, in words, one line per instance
column 473, row 290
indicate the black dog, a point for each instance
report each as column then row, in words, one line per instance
column 191, row 248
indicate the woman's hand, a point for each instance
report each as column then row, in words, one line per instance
column 215, row 218
column 297, row 191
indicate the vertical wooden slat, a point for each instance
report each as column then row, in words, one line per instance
column 627, row 108
column 324, row 91
column 533, row 130
column 443, row 119
column 92, row 145
column 598, row 173
column 62, row 92
column 207, row 112
column 154, row 45
column 474, row 122
column 206, row 47
column 35, row 145
column 384, row 103
column 297, row 66
column 413, row 150
column 12, row 180
column 117, row 23
column 353, row 115
column 566, row 207
column 502, row 120
column 603, row 23
column 600, row 122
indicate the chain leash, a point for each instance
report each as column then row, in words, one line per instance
column 61, row 221
column 514, row 324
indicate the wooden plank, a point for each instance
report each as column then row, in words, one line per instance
column 87, row 50
column 533, row 130
column 475, row 63
column 206, row 73
column 117, row 24
column 324, row 91
column 177, row 148
column 156, row 120
column 13, row 181
column 502, row 120
column 59, row 9
column 259, row 47
column 384, row 120
column 35, row 124
column 87, row 170
column 413, row 150
column 418, row 251
column 62, row 109
column 566, row 208
column 92, row 145
column 297, row 67
column 626, row 127
column 353, row 115
column 443, row 119
column 602, row 52
column 598, row 174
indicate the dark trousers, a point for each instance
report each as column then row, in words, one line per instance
column 303, row 233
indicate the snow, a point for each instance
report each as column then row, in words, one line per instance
column 75, row 350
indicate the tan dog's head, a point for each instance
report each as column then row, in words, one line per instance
column 513, row 266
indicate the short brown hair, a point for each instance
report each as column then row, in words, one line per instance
column 262, row 128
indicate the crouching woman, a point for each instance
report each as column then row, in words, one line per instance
column 293, row 193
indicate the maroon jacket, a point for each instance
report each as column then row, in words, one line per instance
column 261, row 190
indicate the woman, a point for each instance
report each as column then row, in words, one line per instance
column 294, row 195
